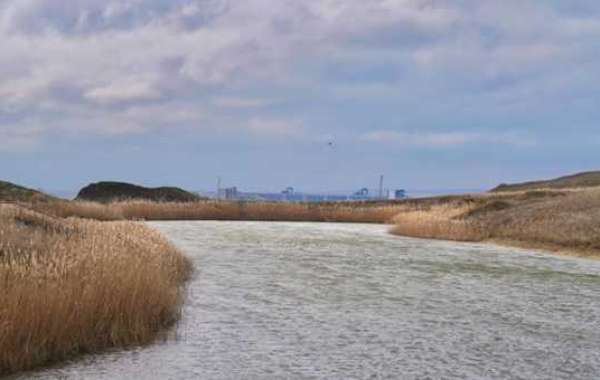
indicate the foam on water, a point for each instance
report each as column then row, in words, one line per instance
column 336, row 301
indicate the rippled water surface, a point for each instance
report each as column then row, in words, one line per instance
column 333, row 301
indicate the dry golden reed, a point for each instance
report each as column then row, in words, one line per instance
column 80, row 209
column 439, row 222
column 77, row 286
column 224, row 210
column 566, row 221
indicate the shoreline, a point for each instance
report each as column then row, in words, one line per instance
column 552, row 250
column 564, row 223
column 469, row 217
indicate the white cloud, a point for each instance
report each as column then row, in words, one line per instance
column 237, row 102
column 420, row 139
column 275, row 129
column 109, row 59
column 134, row 119
column 123, row 91
column 443, row 139
column 190, row 10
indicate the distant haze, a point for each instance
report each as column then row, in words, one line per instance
column 321, row 95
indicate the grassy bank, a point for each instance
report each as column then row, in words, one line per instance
column 351, row 212
column 563, row 221
column 10, row 192
column 78, row 286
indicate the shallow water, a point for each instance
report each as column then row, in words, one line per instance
column 337, row 301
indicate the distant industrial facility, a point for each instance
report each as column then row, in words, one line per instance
column 289, row 194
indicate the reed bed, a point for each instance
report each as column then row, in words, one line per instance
column 79, row 209
column 78, row 286
column 223, row 210
column 439, row 222
column 568, row 222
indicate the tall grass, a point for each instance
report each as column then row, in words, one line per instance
column 78, row 286
column 79, row 209
column 439, row 222
column 572, row 221
column 224, row 210
column 568, row 221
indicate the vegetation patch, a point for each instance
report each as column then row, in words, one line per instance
column 579, row 180
column 9, row 192
column 567, row 222
column 77, row 286
column 350, row 212
column 119, row 191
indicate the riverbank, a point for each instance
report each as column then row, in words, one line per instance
column 565, row 222
column 342, row 212
column 72, row 286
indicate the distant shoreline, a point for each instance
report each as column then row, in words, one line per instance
column 560, row 215
column 565, row 221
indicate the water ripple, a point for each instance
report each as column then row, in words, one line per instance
column 331, row 301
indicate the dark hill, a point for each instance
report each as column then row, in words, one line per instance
column 119, row 191
column 586, row 179
column 9, row 192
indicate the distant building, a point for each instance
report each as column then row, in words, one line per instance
column 231, row 193
column 362, row 194
column 400, row 194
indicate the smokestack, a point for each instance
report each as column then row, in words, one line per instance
column 381, row 187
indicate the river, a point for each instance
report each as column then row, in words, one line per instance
column 349, row 301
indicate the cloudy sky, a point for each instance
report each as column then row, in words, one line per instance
column 454, row 94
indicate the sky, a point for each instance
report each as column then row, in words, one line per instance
column 454, row 94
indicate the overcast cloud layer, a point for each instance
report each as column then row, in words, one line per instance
column 460, row 93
